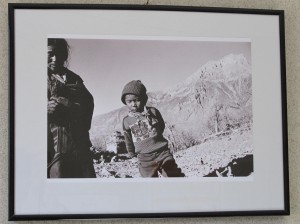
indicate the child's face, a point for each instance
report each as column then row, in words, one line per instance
column 134, row 103
column 55, row 59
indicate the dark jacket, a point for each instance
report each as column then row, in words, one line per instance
column 68, row 128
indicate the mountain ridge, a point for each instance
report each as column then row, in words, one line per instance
column 217, row 96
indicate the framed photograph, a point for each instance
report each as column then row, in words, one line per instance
column 146, row 111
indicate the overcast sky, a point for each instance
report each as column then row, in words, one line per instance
column 107, row 65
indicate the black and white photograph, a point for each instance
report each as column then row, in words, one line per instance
column 131, row 108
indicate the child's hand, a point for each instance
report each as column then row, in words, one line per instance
column 134, row 159
column 52, row 104
column 61, row 100
column 64, row 101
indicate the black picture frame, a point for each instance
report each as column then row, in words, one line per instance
column 14, row 110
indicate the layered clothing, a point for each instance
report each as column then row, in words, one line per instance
column 143, row 132
column 69, row 154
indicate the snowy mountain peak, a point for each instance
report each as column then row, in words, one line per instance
column 230, row 67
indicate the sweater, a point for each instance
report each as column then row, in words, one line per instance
column 143, row 132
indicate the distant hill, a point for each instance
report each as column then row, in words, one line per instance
column 216, row 98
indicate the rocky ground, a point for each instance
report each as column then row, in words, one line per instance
column 220, row 155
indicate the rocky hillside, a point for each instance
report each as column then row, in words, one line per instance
column 228, row 155
column 216, row 98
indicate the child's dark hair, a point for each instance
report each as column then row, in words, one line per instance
column 135, row 87
column 61, row 46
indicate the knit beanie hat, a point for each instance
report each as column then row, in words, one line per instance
column 135, row 87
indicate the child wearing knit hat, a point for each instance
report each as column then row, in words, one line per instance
column 143, row 130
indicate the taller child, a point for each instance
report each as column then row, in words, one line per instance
column 143, row 130
column 70, row 109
